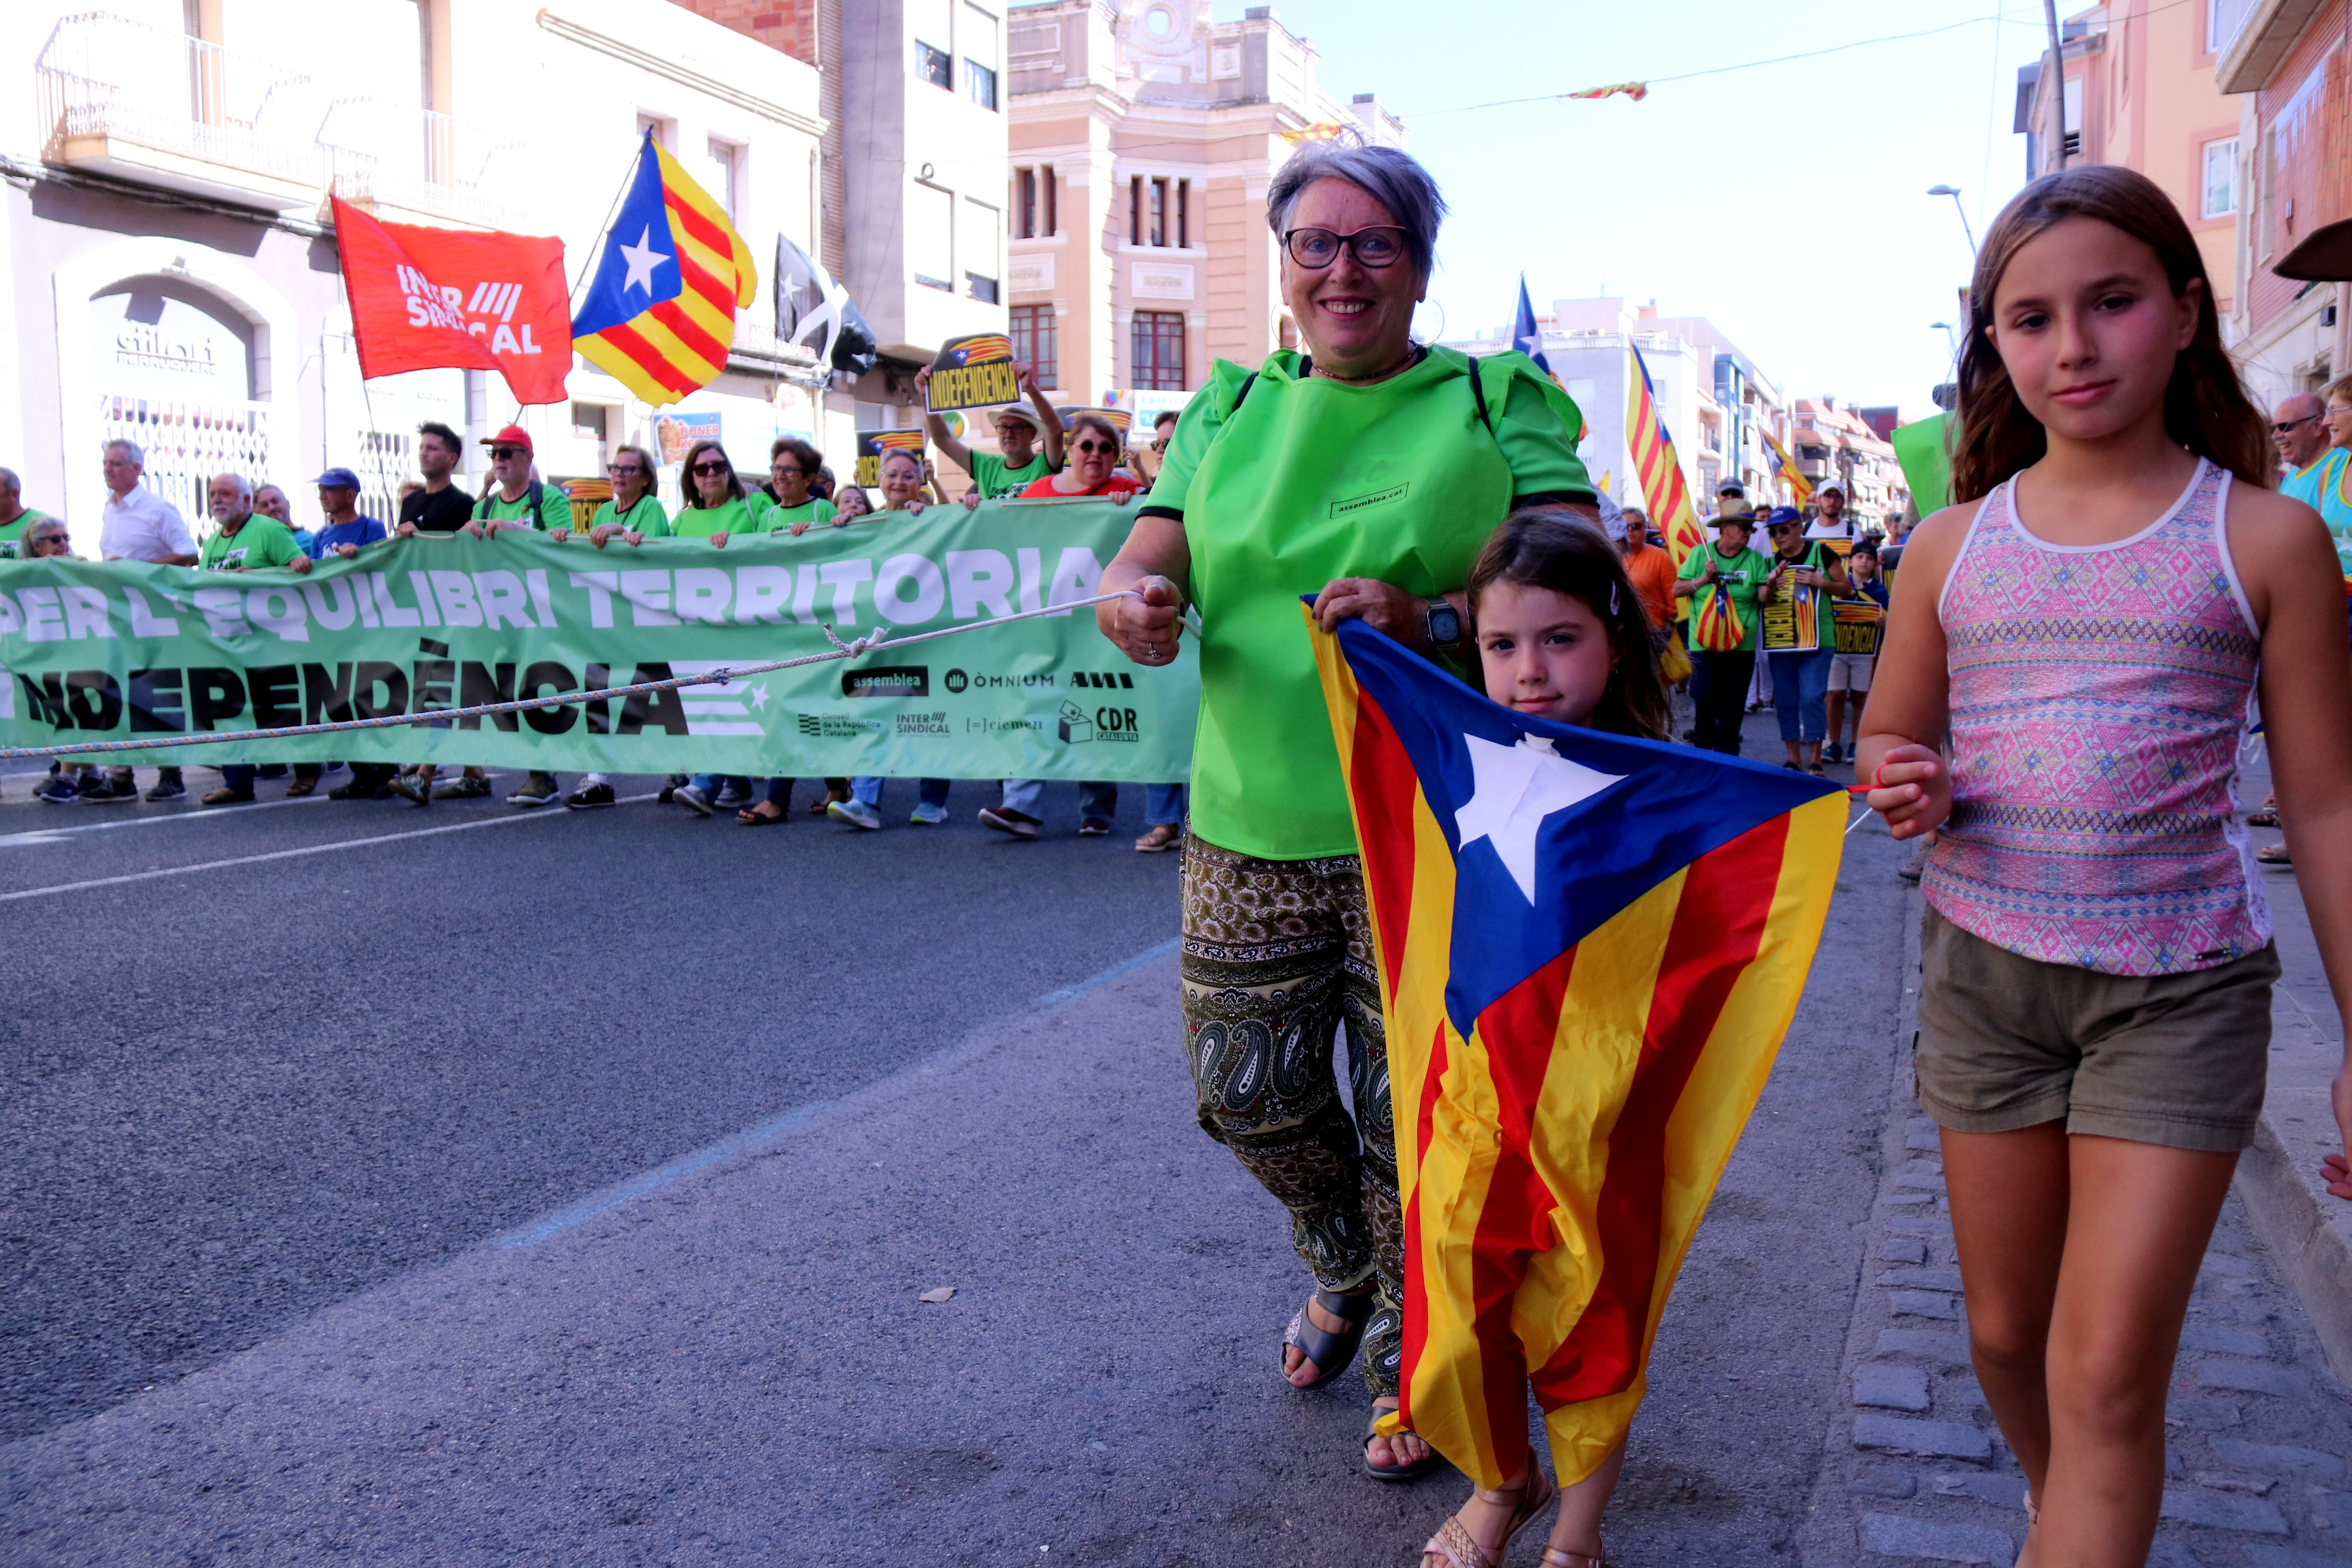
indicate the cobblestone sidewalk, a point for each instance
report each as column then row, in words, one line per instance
column 1917, row 1472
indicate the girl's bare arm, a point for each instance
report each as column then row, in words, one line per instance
column 1903, row 721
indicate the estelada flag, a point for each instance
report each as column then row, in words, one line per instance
column 660, row 313
column 1589, row 947
column 1659, row 468
column 1790, row 475
column 434, row 299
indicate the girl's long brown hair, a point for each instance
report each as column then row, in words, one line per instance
column 2205, row 408
column 1542, row 547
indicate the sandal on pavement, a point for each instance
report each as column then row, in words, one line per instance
column 756, row 817
column 1412, row 1472
column 2266, row 817
column 1161, row 839
column 2274, row 854
column 1329, row 1351
column 1454, row 1547
column 1562, row 1557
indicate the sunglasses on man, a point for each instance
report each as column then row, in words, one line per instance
column 2286, row 426
column 509, row 451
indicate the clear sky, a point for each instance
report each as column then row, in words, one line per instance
column 1784, row 201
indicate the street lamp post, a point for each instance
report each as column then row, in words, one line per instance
column 1954, row 192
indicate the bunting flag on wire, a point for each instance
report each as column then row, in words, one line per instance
column 1798, row 486
column 1636, row 90
column 660, row 311
column 1321, row 130
column 1658, row 467
column 1589, row 947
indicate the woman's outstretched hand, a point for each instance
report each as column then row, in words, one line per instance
column 1911, row 789
column 1145, row 628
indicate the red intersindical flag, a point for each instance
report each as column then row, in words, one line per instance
column 428, row 298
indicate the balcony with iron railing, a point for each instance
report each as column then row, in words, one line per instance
column 146, row 105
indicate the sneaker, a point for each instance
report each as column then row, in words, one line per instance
column 731, row 798
column 1019, row 824
column 462, row 788
column 855, row 813
column 927, row 816
column 1833, row 753
column 106, row 792
column 669, row 788
column 358, row 791
column 537, row 790
column 693, row 799
column 57, row 791
column 587, row 795
column 301, row 787
column 413, row 790
column 228, row 795
column 167, row 789
column 1093, row 827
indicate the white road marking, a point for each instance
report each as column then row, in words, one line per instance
column 539, row 814
column 57, row 835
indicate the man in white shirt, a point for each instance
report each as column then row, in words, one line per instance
column 141, row 525
column 1832, row 522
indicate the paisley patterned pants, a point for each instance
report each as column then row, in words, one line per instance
column 1277, row 955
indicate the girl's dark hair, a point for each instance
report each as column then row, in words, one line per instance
column 2205, row 408
column 1543, row 547
column 692, row 487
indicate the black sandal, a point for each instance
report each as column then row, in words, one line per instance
column 1329, row 1351
column 1412, row 1472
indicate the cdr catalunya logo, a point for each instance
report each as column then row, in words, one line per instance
column 433, row 305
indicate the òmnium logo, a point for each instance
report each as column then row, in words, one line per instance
column 957, row 681
column 888, row 681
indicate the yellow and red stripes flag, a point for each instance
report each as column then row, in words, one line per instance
column 1636, row 90
column 1589, row 947
column 1659, row 470
column 1798, row 486
column 660, row 311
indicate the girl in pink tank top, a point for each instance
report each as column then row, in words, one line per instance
column 2087, row 629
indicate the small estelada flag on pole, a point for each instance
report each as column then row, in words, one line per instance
column 447, row 298
column 1589, row 947
column 660, row 311
column 1658, row 467
column 1798, row 486
column 1636, row 90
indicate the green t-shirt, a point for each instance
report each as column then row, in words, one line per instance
column 554, row 509
column 12, row 534
column 736, row 517
column 258, row 542
column 646, row 517
column 1741, row 575
column 994, row 479
column 1311, row 479
column 813, row 511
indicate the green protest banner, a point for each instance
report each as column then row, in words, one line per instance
column 113, row 651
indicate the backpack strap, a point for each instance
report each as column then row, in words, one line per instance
column 1244, row 393
column 1478, row 395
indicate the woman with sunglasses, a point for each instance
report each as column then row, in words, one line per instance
column 717, row 506
column 1367, row 469
column 1095, row 447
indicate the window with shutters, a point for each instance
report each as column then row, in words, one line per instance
column 930, row 237
column 1158, row 345
column 1033, row 341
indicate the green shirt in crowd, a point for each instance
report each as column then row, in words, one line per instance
column 813, row 511
column 1310, row 479
column 258, row 542
column 12, row 534
column 1741, row 575
column 646, row 517
column 554, row 509
column 734, row 517
column 994, row 479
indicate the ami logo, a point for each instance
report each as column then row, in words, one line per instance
column 487, row 311
column 1118, row 681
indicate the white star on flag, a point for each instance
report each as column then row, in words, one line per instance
column 643, row 259
column 759, row 697
column 1519, row 786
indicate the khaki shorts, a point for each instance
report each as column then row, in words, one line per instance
column 2007, row 1042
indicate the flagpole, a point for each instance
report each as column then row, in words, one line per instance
column 572, row 298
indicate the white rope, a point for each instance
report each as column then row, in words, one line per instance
column 851, row 649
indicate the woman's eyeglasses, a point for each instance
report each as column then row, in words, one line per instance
column 1316, row 249
column 710, row 467
column 1094, row 447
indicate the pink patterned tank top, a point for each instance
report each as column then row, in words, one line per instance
column 2098, row 697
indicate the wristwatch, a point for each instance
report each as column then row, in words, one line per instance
column 1444, row 627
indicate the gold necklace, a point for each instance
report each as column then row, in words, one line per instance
column 1411, row 358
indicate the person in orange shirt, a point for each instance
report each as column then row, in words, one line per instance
column 1651, row 571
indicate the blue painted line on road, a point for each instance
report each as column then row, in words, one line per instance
column 751, row 1138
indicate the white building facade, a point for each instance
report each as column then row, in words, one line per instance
column 168, row 273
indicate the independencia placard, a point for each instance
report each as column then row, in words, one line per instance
column 116, row 650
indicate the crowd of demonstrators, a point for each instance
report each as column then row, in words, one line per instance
column 1796, row 633
column 2097, row 963
column 1728, row 567
column 15, row 516
column 1860, row 625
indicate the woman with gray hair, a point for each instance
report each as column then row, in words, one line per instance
column 1366, row 471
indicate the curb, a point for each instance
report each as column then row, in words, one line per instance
column 2307, row 1230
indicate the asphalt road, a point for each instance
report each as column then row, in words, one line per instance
column 233, row 1095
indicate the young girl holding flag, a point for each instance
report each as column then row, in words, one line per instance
column 2088, row 626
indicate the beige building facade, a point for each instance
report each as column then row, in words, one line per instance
column 1143, row 137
